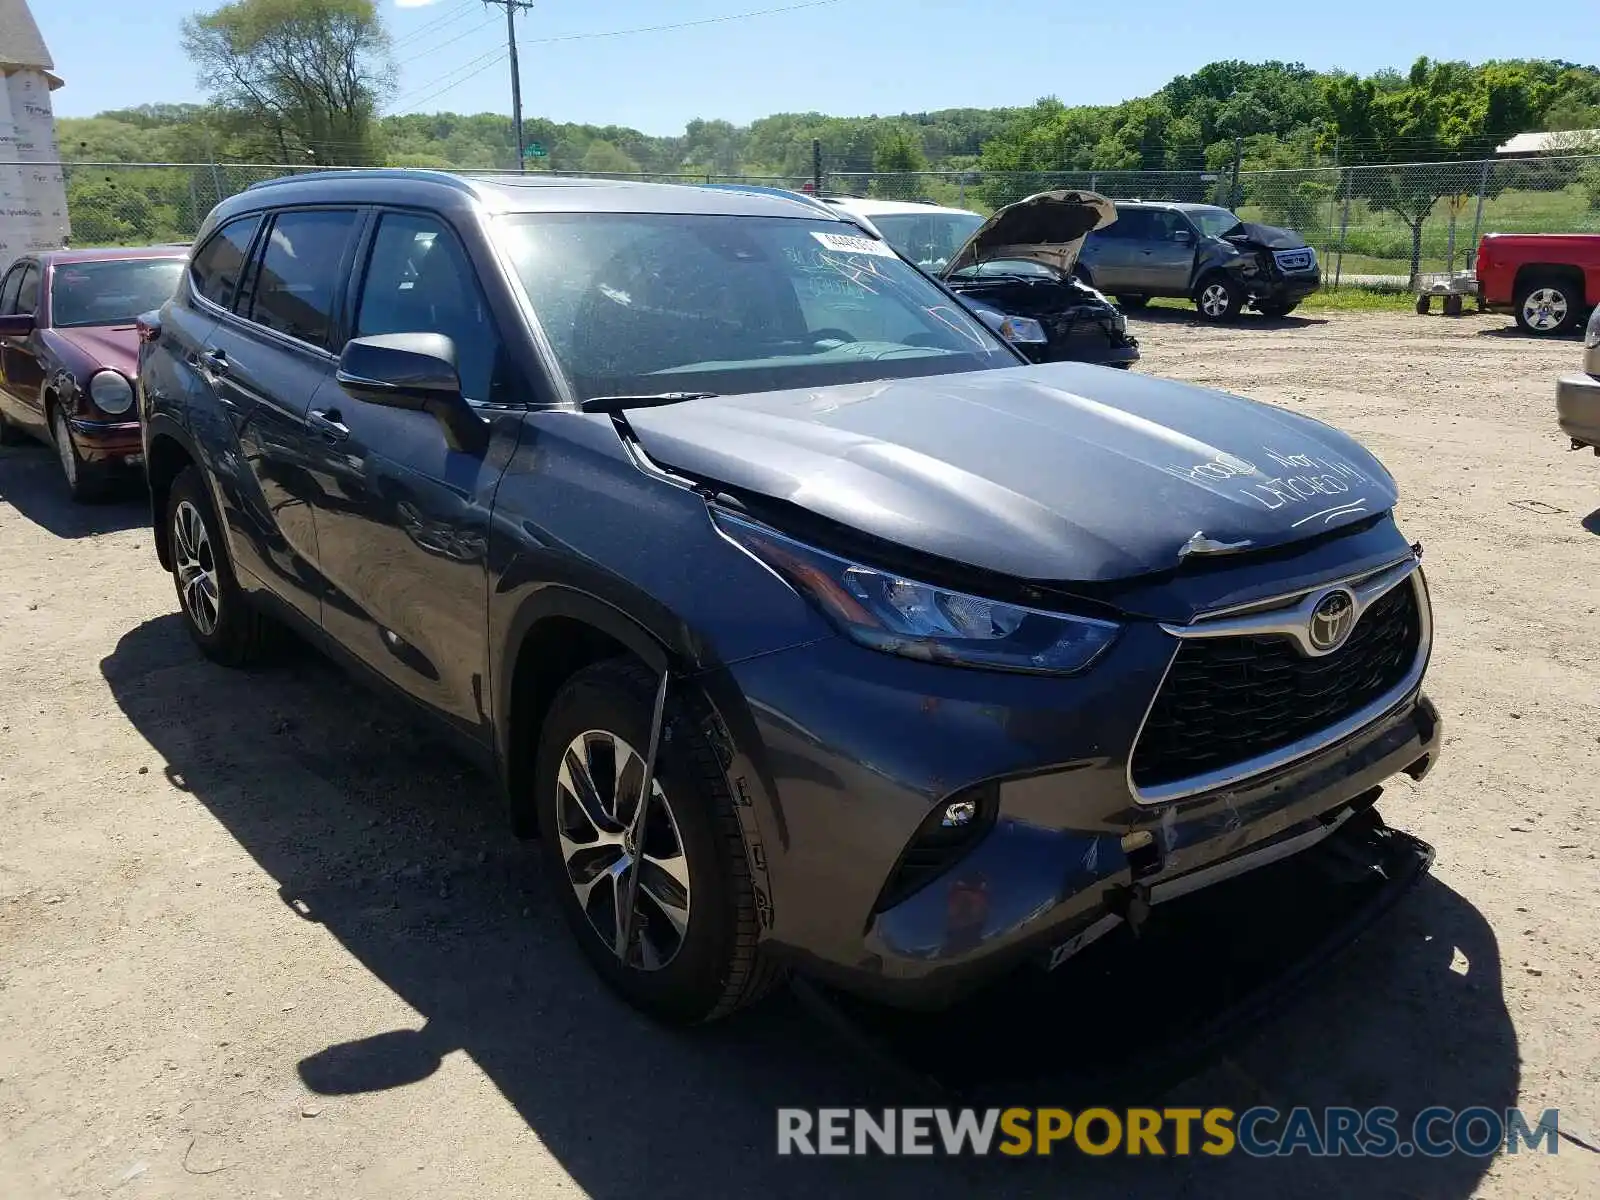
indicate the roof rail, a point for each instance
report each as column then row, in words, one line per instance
column 448, row 178
column 763, row 190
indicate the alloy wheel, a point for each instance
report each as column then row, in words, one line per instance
column 597, row 802
column 63, row 439
column 196, row 564
column 1214, row 300
column 1545, row 309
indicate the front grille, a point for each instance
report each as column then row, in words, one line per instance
column 1228, row 700
column 1295, row 260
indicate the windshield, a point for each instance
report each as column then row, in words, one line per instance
column 1212, row 222
column 112, row 292
column 647, row 303
column 928, row 239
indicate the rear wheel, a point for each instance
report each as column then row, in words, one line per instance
column 689, row 952
column 1218, row 298
column 1547, row 306
column 85, row 481
column 220, row 617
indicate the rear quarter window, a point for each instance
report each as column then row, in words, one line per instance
column 216, row 268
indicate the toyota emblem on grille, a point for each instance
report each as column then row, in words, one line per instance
column 1332, row 619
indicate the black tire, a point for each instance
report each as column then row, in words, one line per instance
column 237, row 636
column 1548, row 306
column 1424, row 304
column 1133, row 301
column 1277, row 311
column 10, row 435
column 1229, row 293
column 716, row 965
column 86, row 483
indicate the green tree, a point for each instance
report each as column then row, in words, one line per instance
column 1395, row 137
column 603, row 158
column 308, row 75
column 896, row 158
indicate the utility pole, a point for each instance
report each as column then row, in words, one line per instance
column 511, row 7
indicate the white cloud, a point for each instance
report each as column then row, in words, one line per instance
column 414, row 3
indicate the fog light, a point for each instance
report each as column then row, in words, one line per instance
column 962, row 812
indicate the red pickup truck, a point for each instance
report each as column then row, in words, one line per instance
column 1549, row 281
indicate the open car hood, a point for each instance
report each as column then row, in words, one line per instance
column 1047, row 228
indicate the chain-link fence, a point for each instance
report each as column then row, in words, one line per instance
column 1375, row 226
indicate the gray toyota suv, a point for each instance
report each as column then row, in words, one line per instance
column 809, row 625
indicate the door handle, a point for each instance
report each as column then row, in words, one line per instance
column 327, row 420
column 217, row 360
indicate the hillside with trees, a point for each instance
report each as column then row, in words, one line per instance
column 305, row 82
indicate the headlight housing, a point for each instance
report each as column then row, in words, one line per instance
column 1019, row 331
column 1591, row 333
column 111, row 392
column 901, row 616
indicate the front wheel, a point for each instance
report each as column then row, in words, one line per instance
column 1218, row 298
column 688, row 952
column 220, row 617
column 85, row 481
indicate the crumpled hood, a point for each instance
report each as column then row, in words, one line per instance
column 1048, row 228
column 1056, row 473
column 1269, row 237
column 100, row 346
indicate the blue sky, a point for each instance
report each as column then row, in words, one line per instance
column 846, row 57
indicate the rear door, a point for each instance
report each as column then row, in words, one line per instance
column 402, row 518
column 265, row 361
column 1109, row 253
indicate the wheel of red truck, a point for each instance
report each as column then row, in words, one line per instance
column 662, row 906
column 1546, row 307
column 1218, row 298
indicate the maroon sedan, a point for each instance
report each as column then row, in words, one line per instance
column 69, row 353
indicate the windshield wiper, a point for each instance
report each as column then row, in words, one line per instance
column 616, row 404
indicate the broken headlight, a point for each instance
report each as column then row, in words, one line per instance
column 902, row 616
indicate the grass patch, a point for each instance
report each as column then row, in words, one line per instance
column 1343, row 300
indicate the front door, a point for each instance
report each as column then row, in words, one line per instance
column 402, row 518
column 1166, row 254
column 19, row 356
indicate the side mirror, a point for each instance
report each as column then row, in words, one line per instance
column 16, row 325
column 1182, row 236
column 415, row 371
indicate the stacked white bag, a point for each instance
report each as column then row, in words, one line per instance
column 33, row 194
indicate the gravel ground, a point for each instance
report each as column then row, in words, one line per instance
column 260, row 937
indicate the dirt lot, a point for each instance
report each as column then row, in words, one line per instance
column 259, row 937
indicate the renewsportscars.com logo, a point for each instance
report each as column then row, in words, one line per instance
column 1259, row 1132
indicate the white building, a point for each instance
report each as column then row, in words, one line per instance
column 33, row 199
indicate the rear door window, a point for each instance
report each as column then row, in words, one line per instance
column 299, row 277
column 1133, row 224
column 216, row 267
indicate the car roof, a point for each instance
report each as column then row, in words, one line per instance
column 105, row 253
column 509, row 193
column 884, row 208
column 1180, row 205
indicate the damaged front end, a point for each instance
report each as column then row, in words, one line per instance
column 1277, row 267
column 1016, row 272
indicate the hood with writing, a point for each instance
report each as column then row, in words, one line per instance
column 1062, row 472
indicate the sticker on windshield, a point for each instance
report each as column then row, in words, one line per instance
column 843, row 243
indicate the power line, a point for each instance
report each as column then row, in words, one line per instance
column 744, row 16
column 446, row 18
column 447, row 42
